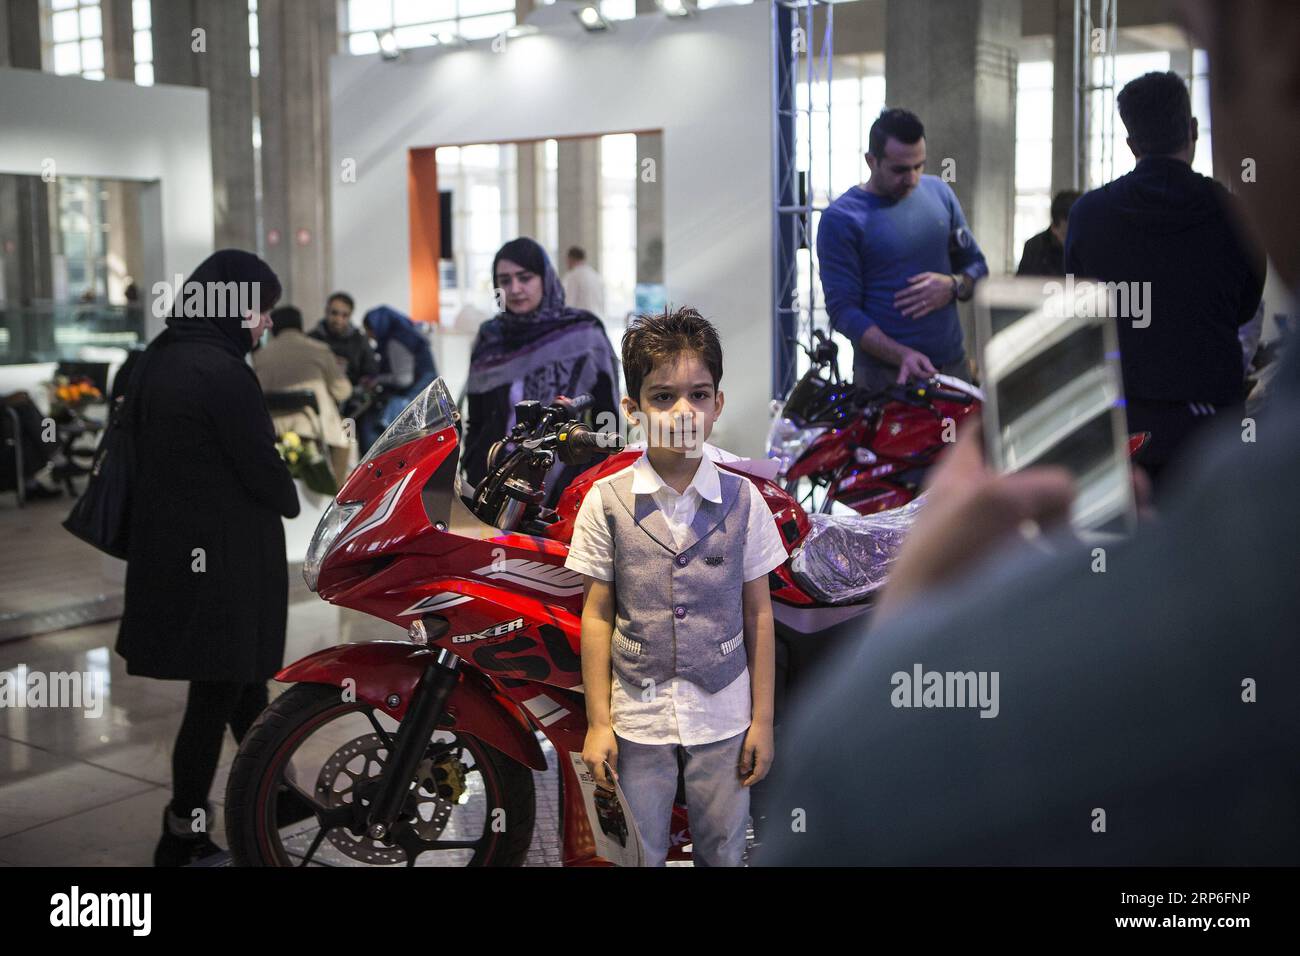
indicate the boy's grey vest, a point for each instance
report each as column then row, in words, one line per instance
column 678, row 608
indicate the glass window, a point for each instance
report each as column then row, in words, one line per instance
column 618, row 9
column 1203, row 158
column 483, row 187
column 67, row 58
column 618, row 178
column 369, row 15
column 91, row 25
column 478, row 28
column 64, row 25
column 1033, row 174
column 415, row 23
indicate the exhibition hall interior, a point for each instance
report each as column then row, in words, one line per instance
column 372, row 372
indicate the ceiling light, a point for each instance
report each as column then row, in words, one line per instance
column 388, row 48
column 592, row 20
column 675, row 8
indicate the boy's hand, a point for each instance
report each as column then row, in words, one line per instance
column 600, row 746
column 756, row 755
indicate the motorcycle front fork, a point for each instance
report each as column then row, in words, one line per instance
column 426, row 706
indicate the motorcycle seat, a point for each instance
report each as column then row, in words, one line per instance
column 844, row 559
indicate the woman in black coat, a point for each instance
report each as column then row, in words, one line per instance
column 207, row 576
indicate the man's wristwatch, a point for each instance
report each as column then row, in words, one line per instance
column 958, row 286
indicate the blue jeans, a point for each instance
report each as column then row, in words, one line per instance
column 719, row 805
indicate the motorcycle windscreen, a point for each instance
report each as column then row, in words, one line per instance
column 431, row 411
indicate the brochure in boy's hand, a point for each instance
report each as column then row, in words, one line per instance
column 612, row 826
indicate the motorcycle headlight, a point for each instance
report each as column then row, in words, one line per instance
column 337, row 517
column 786, row 441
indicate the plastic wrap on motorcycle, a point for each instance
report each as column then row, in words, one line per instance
column 845, row 558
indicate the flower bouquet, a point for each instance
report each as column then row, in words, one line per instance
column 69, row 396
column 306, row 463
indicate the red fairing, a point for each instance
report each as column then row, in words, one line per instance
column 571, row 498
column 907, row 432
column 385, row 674
column 878, row 461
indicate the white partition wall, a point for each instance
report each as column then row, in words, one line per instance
column 704, row 81
column 113, row 129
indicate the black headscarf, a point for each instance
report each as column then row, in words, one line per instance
column 254, row 282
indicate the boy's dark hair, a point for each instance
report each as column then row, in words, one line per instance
column 651, row 340
column 342, row 297
column 285, row 317
column 578, row 253
column 1156, row 111
column 902, row 125
column 1062, row 203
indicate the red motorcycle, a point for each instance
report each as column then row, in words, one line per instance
column 424, row 749
column 868, row 451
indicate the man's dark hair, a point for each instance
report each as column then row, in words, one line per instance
column 901, row 125
column 285, row 317
column 651, row 340
column 342, row 297
column 1062, row 202
column 1156, row 111
column 577, row 252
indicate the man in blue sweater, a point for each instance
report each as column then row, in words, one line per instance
column 895, row 256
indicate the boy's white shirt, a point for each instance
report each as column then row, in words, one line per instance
column 680, row 712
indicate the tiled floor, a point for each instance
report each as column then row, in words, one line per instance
column 89, row 790
column 47, row 574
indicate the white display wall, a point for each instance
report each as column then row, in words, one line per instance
column 704, row 81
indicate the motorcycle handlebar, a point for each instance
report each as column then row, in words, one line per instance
column 576, row 443
column 576, row 405
column 944, row 394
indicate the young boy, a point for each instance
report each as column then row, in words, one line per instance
column 676, row 555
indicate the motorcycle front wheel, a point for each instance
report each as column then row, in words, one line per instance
column 307, row 772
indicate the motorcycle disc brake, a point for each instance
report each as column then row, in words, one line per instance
column 351, row 776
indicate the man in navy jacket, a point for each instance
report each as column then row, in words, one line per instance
column 1175, row 234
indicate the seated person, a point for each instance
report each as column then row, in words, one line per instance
column 37, row 453
column 292, row 361
column 345, row 340
column 406, row 368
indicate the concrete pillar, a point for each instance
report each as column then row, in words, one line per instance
column 25, row 249
column 125, row 249
column 215, row 58
column 578, row 193
column 649, row 207
column 530, row 163
column 1066, row 106
column 296, row 39
column 119, row 39
column 953, row 63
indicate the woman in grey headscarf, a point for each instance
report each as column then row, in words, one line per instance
column 535, row 349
